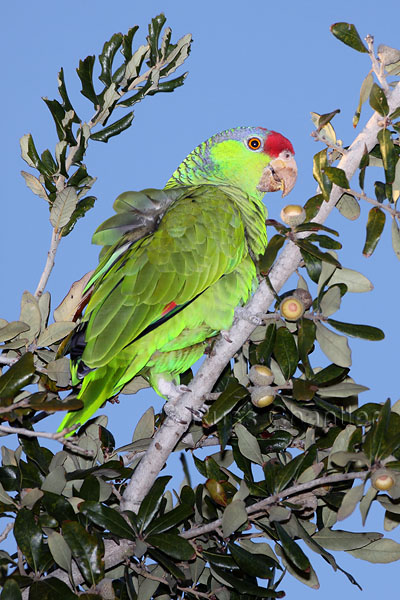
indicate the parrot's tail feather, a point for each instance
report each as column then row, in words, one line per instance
column 93, row 393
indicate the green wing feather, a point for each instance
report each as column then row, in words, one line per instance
column 197, row 257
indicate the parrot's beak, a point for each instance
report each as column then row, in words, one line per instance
column 279, row 174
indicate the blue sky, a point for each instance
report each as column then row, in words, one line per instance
column 252, row 63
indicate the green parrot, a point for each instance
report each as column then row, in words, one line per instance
column 176, row 264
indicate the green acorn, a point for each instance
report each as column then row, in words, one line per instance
column 261, row 375
column 293, row 215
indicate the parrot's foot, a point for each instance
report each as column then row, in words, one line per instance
column 198, row 413
column 173, row 393
column 244, row 313
column 226, row 336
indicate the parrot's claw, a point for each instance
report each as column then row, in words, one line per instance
column 198, row 413
column 226, row 337
column 243, row 313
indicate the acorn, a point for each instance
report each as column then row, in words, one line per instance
column 261, row 375
column 293, row 215
column 382, row 480
column 292, row 308
column 304, row 296
column 263, row 396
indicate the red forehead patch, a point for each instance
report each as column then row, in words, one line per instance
column 275, row 143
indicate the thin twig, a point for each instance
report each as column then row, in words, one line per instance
column 20, row 404
column 378, row 67
column 320, row 137
column 362, row 196
column 58, row 436
column 289, row 492
column 146, row 574
column 6, row 531
column 55, row 240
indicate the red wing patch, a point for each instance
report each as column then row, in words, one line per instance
column 170, row 306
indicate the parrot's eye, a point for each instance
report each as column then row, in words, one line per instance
column 254, row 143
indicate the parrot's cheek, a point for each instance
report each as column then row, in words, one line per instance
column 279, row 174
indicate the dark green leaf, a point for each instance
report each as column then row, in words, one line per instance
column 278, row 440
column 151, row 501
column 378, row 101
column 264, row 349
column 285, row 352
column 155, row 28
column 326, row 118
column 225, row 403
column 319, row 165
column 254, row 565
column 292, row 550
column 380, row 191
column 170, row 519
column 41, row 456
column 86, row 550
column 313, row 265
column 48, row 165
column 127, row 42
column 375, row 225
column 172, row 545
column 81, row 209
column 90, row 489
column 58, row 114
column 18, row 375
column 29, row 538
column 348, row 34
column 337, row 176
column 311, row 226
column 28, row 151
column 85, row 74
column 114, row 129
column 246, row 587
column 109, row 518
column 306, row 333
column 163, row 560
column 50, row 588
column 366, row 332
column 313, row 205
column 274, row 245
column 106, row 58
column 325, row 241
column 11, row 590
column 389, row 155
column 303, row 389
column 10, row 478
column 169, row 86
column 219, row 560
column 62, row 90
column 376, row 437
column 311, row 249
column 330, row 375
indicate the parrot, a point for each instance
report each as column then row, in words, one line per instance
column 176, row 263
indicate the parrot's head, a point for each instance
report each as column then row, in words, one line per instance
column 252, row 158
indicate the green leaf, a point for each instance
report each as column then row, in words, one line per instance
column 228, row 399
column 114, row 129
column 348, row 34
column 127, row 42
column 60, row 550
column 303, row 389
column 11, row 590
column 375, row 440
column 311, row 249
column 62, row 90
column 109, row 518
column 350, row 500
column 389, row 155
column 106, row 58
column 28, row 151
column 375, row 225
column 344, row 540
column 378, row 101
column 330, row 301
column 58, row 507
column 366, row 332
column 155, row 28
column 54, row 333
column 234, row 517
column 17, row 376
column 292, row 550
column 342, row 390
column 355, row 282
column 285, row 352
column 365, row 91
column 252, row 564
column 243, row 586
column 334, row 346
column 313, row 205
column 151, row 502
column 85, row 74
column 348, row 207
column 171, row 85
column 29, row 538
column 337, row 176
column 63, row 207
column 170, row 519
column 12, row 329
column 265, row 348
column 325, row 241
column 395, row 239
column 81, row 209
column 274, row 245
column 319, row 165
column 34, row 185
column 50, row 588
column 86, row 550
column 173, row 545
column 248, row 444
column 380, row 551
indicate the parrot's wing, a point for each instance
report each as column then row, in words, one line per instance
column 199, row 239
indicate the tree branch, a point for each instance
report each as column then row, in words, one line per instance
column 55, row 240
column 287, row 262
column 262, row 505
column 59, row 436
